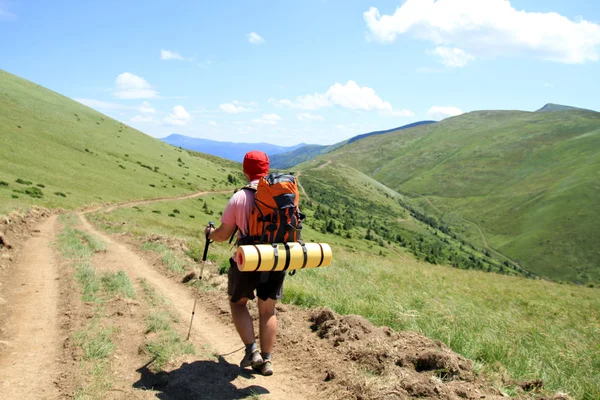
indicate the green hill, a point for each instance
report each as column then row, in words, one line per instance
column 363, row 214
column 526, row 183
column 309, row 151
column 65, row 154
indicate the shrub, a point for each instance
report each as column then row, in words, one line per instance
column 153, row 185
column 175, row 211
column 122, row 166
column 14, row 196
column 22, row 182
column 41, row 185
column 156, row 211
column 2, row 183
column 192, row 216
column 34, row 192
column 61, row 194
column 172, row 215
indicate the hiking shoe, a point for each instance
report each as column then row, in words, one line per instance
column 253, row 360
column 266, row 368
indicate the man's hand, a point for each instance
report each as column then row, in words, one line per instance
column 208, row 231
column 221, row 234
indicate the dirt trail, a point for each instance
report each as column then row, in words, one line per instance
column 27, row 358
column 207, row 329
column 157, row 200
column 324, row 165
column 302, row 187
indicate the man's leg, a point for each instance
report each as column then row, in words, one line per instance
column 242, row 320
column 268, row 293
column 243, row 323
column 267, row 324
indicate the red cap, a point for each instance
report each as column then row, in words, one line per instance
column 256, row 164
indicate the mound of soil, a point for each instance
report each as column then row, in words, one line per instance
column 353, row 359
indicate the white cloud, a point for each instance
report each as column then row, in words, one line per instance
column 146, row 108
column 213, row 123
column 440, row 112
column 310, row 117
column 237, row 107
column 267, row 119
column 130, row 86
column 548, row 85
column 452, row 56
column 255, row 38
column 490, row 28
column 171, row 55
column 350, row 96
column 178, row 117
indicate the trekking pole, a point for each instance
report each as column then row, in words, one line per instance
column 212, row 225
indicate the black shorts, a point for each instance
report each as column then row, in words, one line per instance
column 268, row 285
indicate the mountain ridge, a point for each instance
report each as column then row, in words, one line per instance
column 233, row 151
column 301, row 154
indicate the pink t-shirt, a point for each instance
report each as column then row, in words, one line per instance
column 238, row 211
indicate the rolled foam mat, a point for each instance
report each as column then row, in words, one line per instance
column 281, row 257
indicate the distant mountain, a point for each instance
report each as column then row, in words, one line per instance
column 229, row 150
column 301, row 154
column 551, row 107
column 364, row 135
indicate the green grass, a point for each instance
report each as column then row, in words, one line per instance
column 529, row 180
column 84, row 157
column 168, row 256
column 118, row 283
column 150, row 296
column 166, row 347
column 158, row 322
column 95, row 342
column 78, row 247
column 168, row 343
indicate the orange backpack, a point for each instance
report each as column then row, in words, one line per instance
column 275, row 216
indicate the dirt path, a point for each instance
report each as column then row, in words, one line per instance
column 157, row 200
column 302, row 187
column 28, row 356
column 207, row 329
column 324, row 165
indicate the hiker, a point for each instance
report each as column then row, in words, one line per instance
column 241, row 285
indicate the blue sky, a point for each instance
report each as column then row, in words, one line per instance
column 314, row 71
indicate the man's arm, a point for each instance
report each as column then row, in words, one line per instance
column 221, row 234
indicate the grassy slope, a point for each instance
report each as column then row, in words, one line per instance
column 529, row 180
column 44, row 137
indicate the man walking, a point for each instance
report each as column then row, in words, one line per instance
column 242, row 285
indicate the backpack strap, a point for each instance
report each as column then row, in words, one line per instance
column 252, row 188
